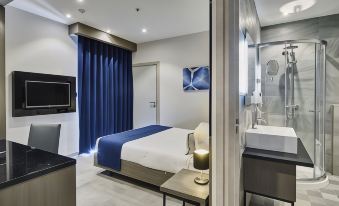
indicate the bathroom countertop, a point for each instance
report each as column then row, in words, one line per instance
column 302, row 158
column 20, row 163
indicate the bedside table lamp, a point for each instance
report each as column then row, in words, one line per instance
column 201, row 162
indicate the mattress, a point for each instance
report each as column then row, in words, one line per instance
column 165, row 151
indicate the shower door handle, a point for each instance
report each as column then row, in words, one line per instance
column 295, row 106
column 153, row 104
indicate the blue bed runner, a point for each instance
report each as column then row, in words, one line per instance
column 109, row 148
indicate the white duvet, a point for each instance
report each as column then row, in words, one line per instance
column 165, row 151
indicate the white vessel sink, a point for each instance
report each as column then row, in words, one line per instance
column 280, row 139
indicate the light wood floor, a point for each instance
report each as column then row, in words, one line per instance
column 95, row 190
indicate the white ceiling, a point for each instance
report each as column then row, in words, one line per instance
column 269, row 11
column 161, row 18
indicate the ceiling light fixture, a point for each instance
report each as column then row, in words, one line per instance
column 80, row 1
column 108, row 31
column 296, row 6
column 82, row 11
column 144, row 30
column 68, row 16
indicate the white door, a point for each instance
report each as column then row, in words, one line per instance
column 145, row 95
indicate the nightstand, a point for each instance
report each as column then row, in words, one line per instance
column 182, row 186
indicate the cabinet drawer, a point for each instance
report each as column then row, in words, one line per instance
column 271, row 179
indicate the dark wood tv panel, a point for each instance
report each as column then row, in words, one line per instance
column 19, row 95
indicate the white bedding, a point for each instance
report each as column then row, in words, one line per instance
column 165, row 151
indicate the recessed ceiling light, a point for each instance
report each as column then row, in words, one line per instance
column 68, row 16
column 80, row 1
column 296, row 6
column 144, row 30
column 108, row 31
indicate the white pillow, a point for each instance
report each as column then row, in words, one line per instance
column 201, row 136
column 190, row 144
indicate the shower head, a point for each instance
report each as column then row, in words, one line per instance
column 292, row 47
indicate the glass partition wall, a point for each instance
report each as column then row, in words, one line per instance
column 293, row 89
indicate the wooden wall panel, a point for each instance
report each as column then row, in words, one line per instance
column 2, row 75
column 54, row 189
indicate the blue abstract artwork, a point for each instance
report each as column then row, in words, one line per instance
column 196, row 78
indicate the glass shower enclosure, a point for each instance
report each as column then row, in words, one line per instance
column 291, row 77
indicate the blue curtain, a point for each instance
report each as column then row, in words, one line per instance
column 105, row 91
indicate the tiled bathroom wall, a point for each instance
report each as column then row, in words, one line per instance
column 335, row 128
column 324, row 28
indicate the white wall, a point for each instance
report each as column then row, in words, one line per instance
column 178, row 108
column 36, row 44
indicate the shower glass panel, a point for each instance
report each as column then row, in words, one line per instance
column 272, row 87
column 320, row 105
column 293, row 89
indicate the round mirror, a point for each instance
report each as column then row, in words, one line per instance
column 272, row 68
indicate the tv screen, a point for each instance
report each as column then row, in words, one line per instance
column 41, row 94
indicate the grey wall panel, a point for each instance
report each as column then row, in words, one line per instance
column 2, row 75
column 249, row 20
column 335, row 138
column 306, row 29
column 5, row 2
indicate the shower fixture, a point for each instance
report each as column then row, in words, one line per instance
column 291, row 70
column 298, row 98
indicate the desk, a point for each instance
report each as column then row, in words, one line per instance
column 32, row 177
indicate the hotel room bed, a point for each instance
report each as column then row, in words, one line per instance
column 151, row 154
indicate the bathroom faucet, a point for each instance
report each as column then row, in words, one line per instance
column 255, row 116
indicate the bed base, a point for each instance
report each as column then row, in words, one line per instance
column 139, row 172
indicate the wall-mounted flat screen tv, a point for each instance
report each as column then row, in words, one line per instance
column 43, row 94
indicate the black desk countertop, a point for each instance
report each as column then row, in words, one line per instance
column 19, row 163
column 302, row 158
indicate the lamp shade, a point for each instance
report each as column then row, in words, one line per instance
column 201, row 159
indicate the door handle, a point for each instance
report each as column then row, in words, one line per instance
column 153, row 104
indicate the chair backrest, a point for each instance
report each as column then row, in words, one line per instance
column 45, row 137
